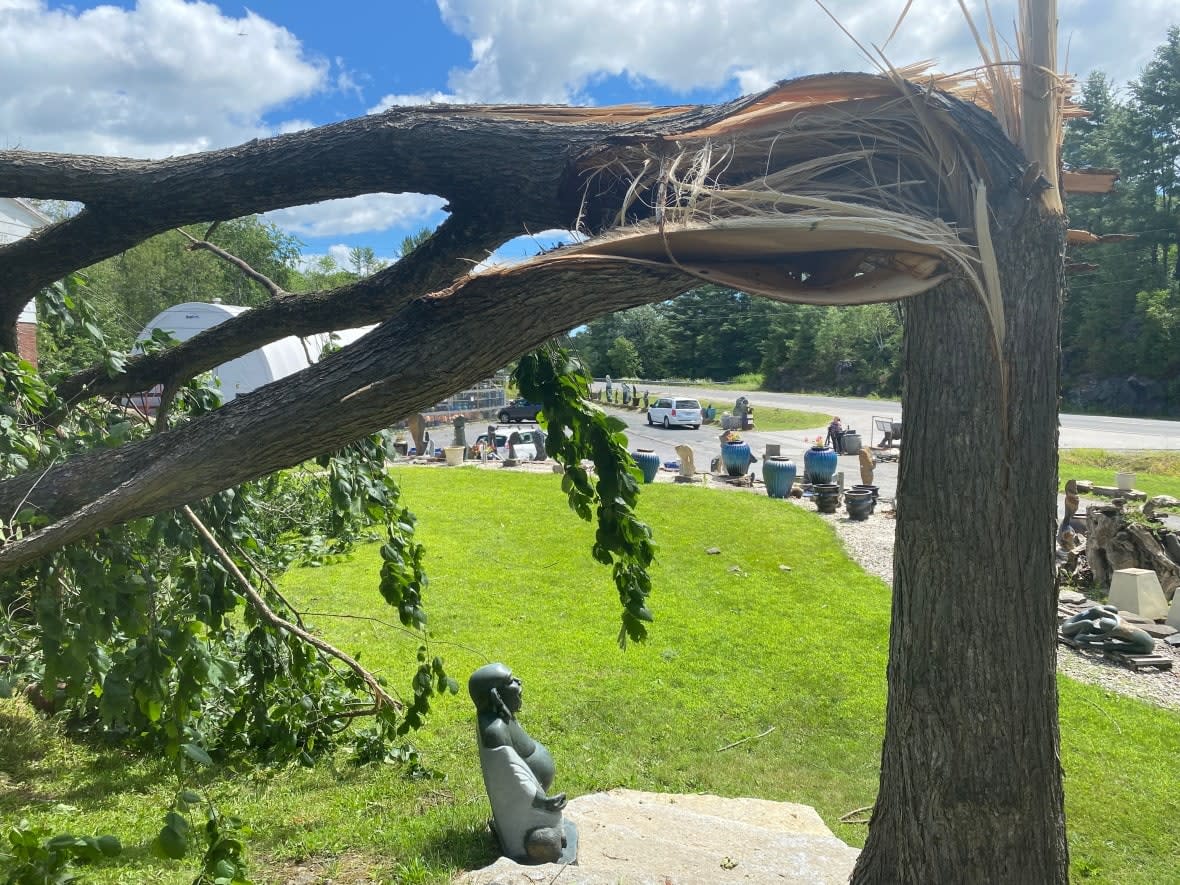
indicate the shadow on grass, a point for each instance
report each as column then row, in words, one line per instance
column 461, row 848
column 34, row 758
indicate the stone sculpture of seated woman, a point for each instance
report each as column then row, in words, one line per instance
column 518, row 772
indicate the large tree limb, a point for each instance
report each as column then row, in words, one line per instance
column 433, row 265
column 501, row 162
column 432, row 347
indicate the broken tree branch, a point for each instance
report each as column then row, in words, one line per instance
column 380, row 696
column 432, row 266
column 262, row 279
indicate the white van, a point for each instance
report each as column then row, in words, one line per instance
column 670, row 411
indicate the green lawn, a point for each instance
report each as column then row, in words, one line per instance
column 739, row 646
column 1156, row 472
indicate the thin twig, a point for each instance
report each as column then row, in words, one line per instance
column 851, row 817
column 743, row 740
column 1113, row 721
column 380, row 695
column 262, row 279
column 391, row 626
column 25, row 497
column 270, row 584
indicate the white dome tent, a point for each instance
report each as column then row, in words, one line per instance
column 251, row 371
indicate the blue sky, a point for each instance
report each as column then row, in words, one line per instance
column 153, row 78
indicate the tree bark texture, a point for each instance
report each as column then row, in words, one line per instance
column 970, row 774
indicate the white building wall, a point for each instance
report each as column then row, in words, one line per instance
column 16, row 220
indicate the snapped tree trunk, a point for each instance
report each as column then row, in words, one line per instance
column 970, row 775
column 970, row 784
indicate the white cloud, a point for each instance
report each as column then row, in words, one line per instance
column 368, row 212
column 288, row 126
column 521, row 248
column 537, row 50
column 166, row 77
column 409, row 99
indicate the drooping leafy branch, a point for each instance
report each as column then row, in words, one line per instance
column 578, row 431
column 152, row 631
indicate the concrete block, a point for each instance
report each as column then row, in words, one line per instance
column 1137, row 590
column 1174, row 614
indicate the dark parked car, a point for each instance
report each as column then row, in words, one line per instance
column 518, row 410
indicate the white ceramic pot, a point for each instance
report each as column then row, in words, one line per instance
column 1125, row 481
column 454, row 455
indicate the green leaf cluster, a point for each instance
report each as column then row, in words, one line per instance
column 141, row 633
column 30, row 856
column 578, row 431
column 223, row 860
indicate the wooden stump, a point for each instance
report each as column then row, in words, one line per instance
column 1113, row 543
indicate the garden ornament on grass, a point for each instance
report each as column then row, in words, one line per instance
column 1101, row 627
column 517, row 773
column 417, row 427
column 866, row 467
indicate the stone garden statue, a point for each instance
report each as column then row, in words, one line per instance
column 646, row 397
column 741, row 410
column 417, row 427
column 608, row 388
column 460, row 434
column 688, row 467
column 1101, row 627
column 866, row 467
column 517, row 773
column 514, row 439
column 539, row 442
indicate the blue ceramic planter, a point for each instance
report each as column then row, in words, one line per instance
column 779, row 475
column 736, row 458
column 649, row 463
column 819, row 464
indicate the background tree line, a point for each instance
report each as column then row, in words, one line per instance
column 1121, row 323
column 717, row 333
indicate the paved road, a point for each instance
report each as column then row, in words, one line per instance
column 1077, row 431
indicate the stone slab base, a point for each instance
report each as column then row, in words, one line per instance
column 640, row 838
